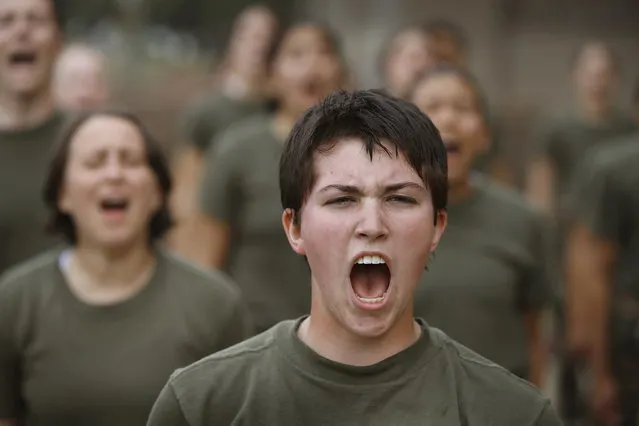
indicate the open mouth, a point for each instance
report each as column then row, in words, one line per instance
column 114, row 205
column 370, row 279
column 22, row 58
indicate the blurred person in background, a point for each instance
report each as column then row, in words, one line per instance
column 89, row 334
column 238, row 227
column 80, row 80
column 488, row 284
column 240, row 90
column 414, row 49
column 30, row 40
column 602, row 276
column 595, row 121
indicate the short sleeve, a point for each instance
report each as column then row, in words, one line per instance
column 548, row 417
column 194, row 126
column 537, row 286
column 9, row 356
column 167, row 410
column 220, row 188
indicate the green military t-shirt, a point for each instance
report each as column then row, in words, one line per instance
column 241, row 188
column 566, row 141
column 24, row 158
column 275, row 379
column 488, row 271
column 210, row 115
column 606, row 199
column 65, row 362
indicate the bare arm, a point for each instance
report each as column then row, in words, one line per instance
column 537, row 347
column 587, row 277
column 204, row 241
column 539, row 185
column 6, row 422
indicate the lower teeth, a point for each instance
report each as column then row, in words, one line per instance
column 371, row 300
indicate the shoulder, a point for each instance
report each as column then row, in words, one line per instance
column 488, row 392
column 224, row 375
column 26, row 280
column 510, row 203
column 200, row 282
column 244, row 134
column 24, row 272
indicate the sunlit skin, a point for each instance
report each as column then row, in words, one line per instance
column 108, row 161
column 359, row 206
column 27, row 29
column 452, row 105
column 305, row 70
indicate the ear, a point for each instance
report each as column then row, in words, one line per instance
column 64, row 203
column 440, row 227
column 293, row 231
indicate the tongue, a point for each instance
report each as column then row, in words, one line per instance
column 370, row 281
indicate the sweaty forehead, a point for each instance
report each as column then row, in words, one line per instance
column 348, row 163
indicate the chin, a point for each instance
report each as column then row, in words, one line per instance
column 369, row 327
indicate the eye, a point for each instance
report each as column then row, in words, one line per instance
column 341, row 201
column 402, row 199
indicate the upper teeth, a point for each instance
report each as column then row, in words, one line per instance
column 370, row 260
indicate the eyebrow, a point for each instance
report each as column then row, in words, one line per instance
column 350, row 189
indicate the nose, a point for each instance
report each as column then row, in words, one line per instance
column 114, row 170
column 372, row 224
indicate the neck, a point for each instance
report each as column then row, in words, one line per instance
column 23, row 112
column 325, row 336
column 238, row 86
column 114, row 268
column 283, row 123
column 458, row 191
column 594, row 111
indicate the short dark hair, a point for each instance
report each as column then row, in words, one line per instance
column 375, row 118
column 442, row 28
column 62, row 223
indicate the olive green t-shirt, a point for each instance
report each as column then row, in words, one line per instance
column 241, row 188
column 205, row 119
column 65, row 362
column 490, row 268
column 24, row 158
column 275, row 379
column 567, row 139
column 606, row 200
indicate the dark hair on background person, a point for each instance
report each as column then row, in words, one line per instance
column 376, row 119
column 442, row 28
column 62, row 223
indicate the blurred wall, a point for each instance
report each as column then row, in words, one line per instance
column 520, row 49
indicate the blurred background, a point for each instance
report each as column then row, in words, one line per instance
column 162, row 52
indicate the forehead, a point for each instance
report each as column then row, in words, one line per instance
column 347, row 162
column 306, row 36
column 106, row 132
column 409, row 38
column 451, row 86
column 23, row 6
